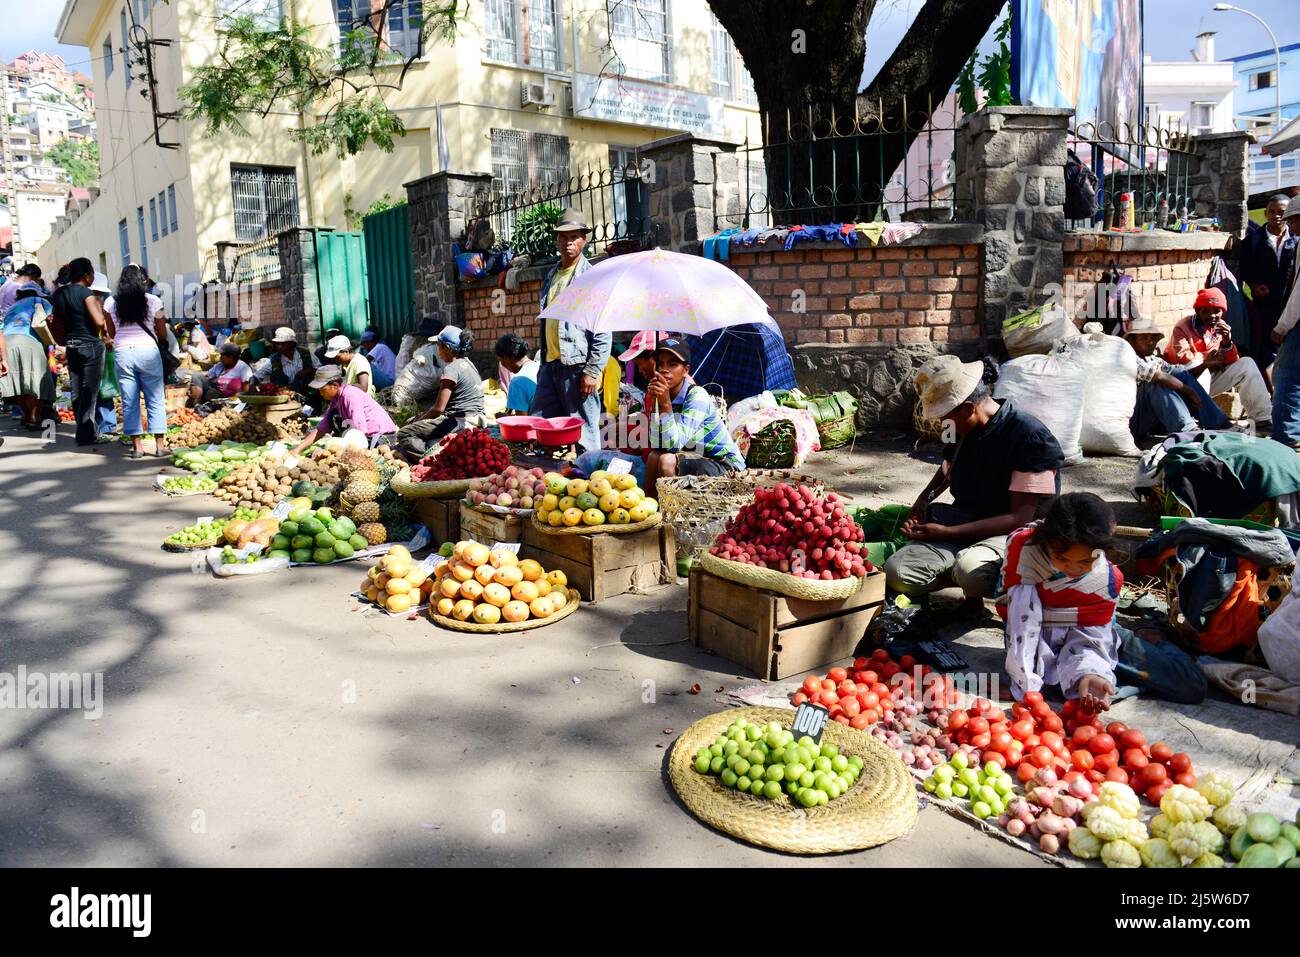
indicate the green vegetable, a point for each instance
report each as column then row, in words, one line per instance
column 1215, row 788
column 1208, row 860
column 1264, row 828
column 1156, row 852
column 1084, row 844
column 1184, row 804
column 1284, row 849
column 301, row 556
column 1107, row 824
column 1240, row 842
column 1119, row 854
column 1260, row 856
column 1190, row 840
column 1292, row 834
column 1229, row 818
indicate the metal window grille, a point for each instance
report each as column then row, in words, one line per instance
column 265, row 199
column 549, row 158
column 405, row 19
column 639, row 34
column 351, row 15
column 144, row 245
column 124, row 242
column 1152, row 162
column 153, row 219
column 499, row 30
column 542, row 37
column 162, row 211
column 509, row 161
column 171, row 204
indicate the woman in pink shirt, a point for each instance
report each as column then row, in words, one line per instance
column 350, row 406
column 140, row 326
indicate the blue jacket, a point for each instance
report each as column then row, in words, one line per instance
column 578, row 346
column 1260, row 265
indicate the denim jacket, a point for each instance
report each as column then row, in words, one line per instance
column 578, row 346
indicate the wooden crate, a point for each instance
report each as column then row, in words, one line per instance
column 490, row 527
column 441, row 516
column 773, row 636
column 601, row 566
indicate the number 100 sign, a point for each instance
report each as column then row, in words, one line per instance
column 810, row 719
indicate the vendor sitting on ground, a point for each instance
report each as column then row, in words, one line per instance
column 1203, row 342
column 291, row 365
column 349, row 408
column 460, row 396
column 684, row 417
column 999, row 464
column 355, row 366
column 383, row 361
column 228, row 376
column 1169, row 399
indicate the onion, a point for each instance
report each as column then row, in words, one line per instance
column 1081, row 788
column 1049, row 823
column 1067, row 806
column 1045, row 777
column 1049, row 844
column 1016, row 827
column 1003, row 820
column 1042, row 796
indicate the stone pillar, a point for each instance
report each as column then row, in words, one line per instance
column 694, row 187
column 1218, row 178
column 297, row 247
column 1011, row 169
column 442, row 205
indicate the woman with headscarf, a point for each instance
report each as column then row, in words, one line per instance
column 460, row 396
column 24, row 369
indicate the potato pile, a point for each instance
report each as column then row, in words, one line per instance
column 295, row 426
column 225, row 424
column 268, row 481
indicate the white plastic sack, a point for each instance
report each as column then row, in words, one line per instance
column 1279, row 636
column 1036, row 335
column 742, row 410
column 417, row 383
column 1050, row 388
column 1109, row 393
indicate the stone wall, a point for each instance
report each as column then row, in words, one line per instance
column 301, row 306
column 441, row 205
column 1167, row 270
column 1218, row 178
column 694, row 187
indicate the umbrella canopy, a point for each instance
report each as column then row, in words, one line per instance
column 659, row 290
column 743, row 360
column 1287, row 139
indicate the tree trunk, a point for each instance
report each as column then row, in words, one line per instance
column 815, row 175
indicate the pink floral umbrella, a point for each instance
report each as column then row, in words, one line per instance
column 659, row 290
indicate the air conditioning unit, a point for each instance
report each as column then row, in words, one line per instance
column 537, row 95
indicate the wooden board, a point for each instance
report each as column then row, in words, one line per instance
column 775, row 636
column 488, row 527
column 441, row 517
column 603, row 566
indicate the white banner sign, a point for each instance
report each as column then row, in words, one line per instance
column 624, row 100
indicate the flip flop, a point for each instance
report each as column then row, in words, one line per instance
column 136, row 454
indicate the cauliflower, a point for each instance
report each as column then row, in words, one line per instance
column 1215, row 788
column 1192, row 839
column 1208, row 860
column 1160, row 825
column 1084, row 844
column 1229, row 818
column 1183, row 804
column 1106, row 823
column 1120, row 854
column 1121, row 797
column 1135, row 832
column 1157, row 853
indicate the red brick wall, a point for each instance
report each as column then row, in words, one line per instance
column 519, row 308
column 868, row 295
column 254, row 305
column 1166, row 280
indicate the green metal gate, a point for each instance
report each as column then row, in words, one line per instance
column 341, row 282
column 392, row 277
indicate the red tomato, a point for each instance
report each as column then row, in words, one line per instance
column 827, row 698
column 828, row 684
column 1025, row 772
column 837, row 674
column 887, row 704
column 860, row 664
column 1161, row 752
column 851, row 706
column 1131, row 738
column 1153, row 774
column 1018, row 711
column 846, row 687
column 1070, row 708
column 1135, row 759
column 1052, row 740
column 1101, row 743
column 980, row 741
column 837, row 708
column 869, row 699
column 1082, row 760
column 1041, row 756
column 867, row 677
column 1053, row 722
column 889, row 670
column 926, row 671
column 1180, row 763
column 1095, row 776
column 839, row 718
column 1116, row 728
column 1187, row 779
column 812, row 684
column 860, row 722
column 999, row 742
column 1014, row 754
column 872, row 715
column 978, row 725
column 1083, row 735
column 798, row 698
column 981, row 704
column 1157, row 791
column 1040, row 710
column 1021, row 730
column 1105, row 761
column 881, row 689
column 1117, row 774
column 907, row 662
column 880, row 654
column 1071, row 776
column 1033, row 697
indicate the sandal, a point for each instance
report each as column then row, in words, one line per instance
column 163, row 452
column 137, row 454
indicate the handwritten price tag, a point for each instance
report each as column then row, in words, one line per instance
column 431, row 563
column 281, row 510
column 511, row 547
column 239, row 406
column 204, row 520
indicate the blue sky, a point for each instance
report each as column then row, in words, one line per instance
column 34, row 28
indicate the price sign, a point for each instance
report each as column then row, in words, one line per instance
column 943, row 656
column 291, row 462
column 511, row 547
column 281, row 510
column 619, row 467
column 213, row 448
column 810, row 719
column 239, row 406
column 431, row 563
column 204, row 520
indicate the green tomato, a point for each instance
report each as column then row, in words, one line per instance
column 745, row 750
column 822, row 764
column 829, row 750
column 943, row 791
column 792, row 788
column 969, row 777
column 743, row 783
column 996, row 807
column 1002, row 786
column 807, row 780
column 772, row 790
column 773, row 738
column 715, row 751
column 756, row 787
column 807, row 742
column 985, row 794
column 958, row 760
column 762, row 748
column 930, row 784
column 775, row 772
column 717, row 764
column 793, row 772
column 840, row 763
column 981, row 809
column 832, row 790
column 729, row 778
column 960, row 789
column 822, row 797
column 945, row 772
column 753, row 732
column 702, row 765
column 777, row 756
column 741, row 766
column 992, row 769
column 855, row 761
column 807, row 797
column 731, row 747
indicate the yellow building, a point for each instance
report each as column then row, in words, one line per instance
column 531, row 90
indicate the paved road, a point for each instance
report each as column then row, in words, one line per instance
column 268, row 721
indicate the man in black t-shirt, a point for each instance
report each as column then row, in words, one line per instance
column 998, row 461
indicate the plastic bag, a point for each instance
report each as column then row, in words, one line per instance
column 899, row 622
column 108, row 387
column 1109, row 393
column 417, row 383
column 261, row 567
column 1036, row 330
column 1279, row 635
column 742, row 410
column 1050, row 388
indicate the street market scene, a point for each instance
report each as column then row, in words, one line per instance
column 651, row 433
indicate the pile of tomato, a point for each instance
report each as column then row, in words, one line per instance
column 1116, row 752
column 870, row 690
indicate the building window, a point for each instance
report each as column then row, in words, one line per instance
column 631, row 199
column 171, row 205
column 527, row 35
column 144, row 245
column 401, row 24
column 126, row 49
column 1261, row 81
column 521, row 160
column 638, row 32
column 731, row 80
column 266, row 200
column 124, row 243
column 162, row 211
column 153, row 219
column 1202, row 118
column 108, row 56
column 550, row 158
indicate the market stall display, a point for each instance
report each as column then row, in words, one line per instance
column 266, row 481
column 484, row 589
column 210, row 457
column 206, row 533
column 398, row 583
column 605, row 501
column 698, row 507
column 468, row 454
column 317, row 536
column 187, row 483
column 367, row 495
column 517, row 488
column 226, row 424
column 879, row 804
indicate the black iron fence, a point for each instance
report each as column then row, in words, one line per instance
column 614, row 201
column 1145, row 167
column 878, row 162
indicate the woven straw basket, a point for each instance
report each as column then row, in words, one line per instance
column 809, row 589
column 606, row 529
column 879, row 807
column 401, row 484
column 506, row 627
column 698, row 507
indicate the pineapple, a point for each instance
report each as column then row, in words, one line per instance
column 365, row 475
column 374, row 533
column 365, row 512
column 357, row 460
column 358, row 491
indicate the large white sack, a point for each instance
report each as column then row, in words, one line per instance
column 1109, row 393
column 1279, row 636
column 1037, row 330
column 1050, row 388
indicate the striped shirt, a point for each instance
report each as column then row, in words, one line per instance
column 1067, row 602
column 695, row 425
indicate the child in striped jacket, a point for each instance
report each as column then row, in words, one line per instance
column 1057, row 595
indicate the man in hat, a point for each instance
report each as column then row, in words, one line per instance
column 684, row 418
column 1169, row 399
column 355, row 366
column 349, row 407
column 998, row 461
column 383, row 361
column 291, row 365
column 1286, row 367
column 572, row 357
column 333, row 332
column 1202, row 342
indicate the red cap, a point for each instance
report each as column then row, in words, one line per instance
column 1211, row 297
